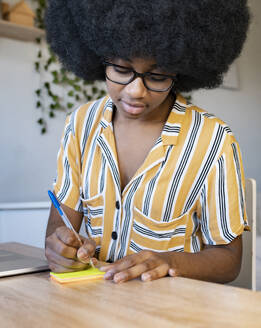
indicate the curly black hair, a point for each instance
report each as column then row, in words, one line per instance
column 197, row 40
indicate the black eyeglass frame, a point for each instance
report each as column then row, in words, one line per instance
column 141, row 75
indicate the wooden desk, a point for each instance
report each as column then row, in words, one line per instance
column 32, row 300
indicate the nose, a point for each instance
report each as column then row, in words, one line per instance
column 136, row 89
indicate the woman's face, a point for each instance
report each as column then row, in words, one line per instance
column 134, row 100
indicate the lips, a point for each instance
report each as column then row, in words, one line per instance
column 133, row 108
column 134, row 104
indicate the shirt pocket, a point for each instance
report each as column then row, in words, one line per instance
column 93, row 209
column 148, row 233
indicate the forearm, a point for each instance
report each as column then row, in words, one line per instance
column 216, row 264
column 55, row 220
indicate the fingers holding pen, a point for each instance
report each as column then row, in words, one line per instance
column 56, row 243
column 67, row 236
column 58, row 263
column 87, row 250
column 61, row 251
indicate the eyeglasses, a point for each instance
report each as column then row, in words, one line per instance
column 125, row 75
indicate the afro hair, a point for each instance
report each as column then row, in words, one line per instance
column 198, row 40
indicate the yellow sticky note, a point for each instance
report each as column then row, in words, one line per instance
column 88, row 274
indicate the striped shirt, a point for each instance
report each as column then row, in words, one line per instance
column 188, row 192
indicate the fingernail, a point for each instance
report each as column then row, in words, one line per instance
column 172, row 273
column 120, row 277
column 80, row 253
column 145, row 277
column 108, row 275
column 103, row 268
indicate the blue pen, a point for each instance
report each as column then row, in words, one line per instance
column 65, row 218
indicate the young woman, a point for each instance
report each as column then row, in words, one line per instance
column 158, row 181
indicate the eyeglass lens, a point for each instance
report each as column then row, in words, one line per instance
column 124, row 76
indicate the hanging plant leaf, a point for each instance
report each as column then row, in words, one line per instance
column 69, row 105
column 49, row 61
column 77, row 87
column 74, row 87
column 37, row 66
column 102, row 93
column 47, row 85
column 94, row 90
column 43, row 130
column 55, row 98
column 58, row 106
column 54, row 73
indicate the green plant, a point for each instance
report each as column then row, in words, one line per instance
column 59, row 89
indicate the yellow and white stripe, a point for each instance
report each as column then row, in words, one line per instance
column 188, row 192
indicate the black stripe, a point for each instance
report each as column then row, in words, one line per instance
column 66, row 184
column 179, row 107
column 184, row 162
column 93, row 231
column 204, row 222
column 237, row 162
column 88, row 126
column 171, row 129
column 135, row 247
column 205, row 170
column 151, row 185
column 222, row 200
column 89, row 165
column 127, row 218
column 155, row 235
column 112, row 164
column 102, row 178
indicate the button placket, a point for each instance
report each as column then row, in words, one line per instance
column 115, row 234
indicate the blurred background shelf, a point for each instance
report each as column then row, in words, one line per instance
column 19, row 32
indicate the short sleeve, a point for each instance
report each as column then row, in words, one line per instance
column 67, row 182
column 222, row 200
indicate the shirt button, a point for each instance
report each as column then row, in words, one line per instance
column 117, row 204
column 114, row 235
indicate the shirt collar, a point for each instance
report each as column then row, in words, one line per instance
column 172, row 127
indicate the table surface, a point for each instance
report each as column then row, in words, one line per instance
column 33, row 300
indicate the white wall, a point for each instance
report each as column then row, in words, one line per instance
column 24, row 223
column 28, row 159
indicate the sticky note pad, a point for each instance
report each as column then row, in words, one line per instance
column 67, row 277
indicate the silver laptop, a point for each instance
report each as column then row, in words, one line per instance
column 12, row 263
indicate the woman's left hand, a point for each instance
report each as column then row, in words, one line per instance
column 148, row 265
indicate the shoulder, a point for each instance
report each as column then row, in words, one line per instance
column 87, row 116
column 209, row 122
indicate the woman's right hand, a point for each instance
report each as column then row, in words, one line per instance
column 64, row 252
